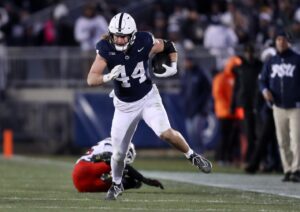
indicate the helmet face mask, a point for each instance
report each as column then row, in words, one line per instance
column 122, row 24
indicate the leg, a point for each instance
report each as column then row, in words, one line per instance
column 129, row 183
column 250, row 132
column 123, row 128
column 222, row 149
column 295, row 138
column 156, row 118
column 175, row 139
column 283, row 137
column 234, row 142
column 194, row 126
column 266, row 137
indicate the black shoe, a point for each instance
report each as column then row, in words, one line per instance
column 114, row 191
column 202, row 163
column 287, row 177
column 295, row 177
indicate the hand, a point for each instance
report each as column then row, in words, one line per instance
column 153, row 182
column 114, row 73
column 170, row 70
column 267, row 95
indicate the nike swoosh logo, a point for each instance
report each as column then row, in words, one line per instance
column 139, row 50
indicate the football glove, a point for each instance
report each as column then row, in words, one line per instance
column 170, row 70
column 114, row 73
column 153, row 182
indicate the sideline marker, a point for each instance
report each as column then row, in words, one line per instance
column 7, row 143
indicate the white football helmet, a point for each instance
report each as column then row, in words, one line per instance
column 122, row 24
column 131, row 154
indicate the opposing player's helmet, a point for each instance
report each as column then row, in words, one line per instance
column 122, row 24
column 131, row 154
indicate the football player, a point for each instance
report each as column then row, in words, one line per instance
column 125, row 52
column 91, row 172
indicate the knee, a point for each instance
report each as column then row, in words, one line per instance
column 168, row 135
column 118, row 156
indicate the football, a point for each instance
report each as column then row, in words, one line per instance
column 158, row 60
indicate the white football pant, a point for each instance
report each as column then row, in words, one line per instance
column 125, row 121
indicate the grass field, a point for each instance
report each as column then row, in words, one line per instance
column 44, row 184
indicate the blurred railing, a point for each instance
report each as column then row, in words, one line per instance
column 47, row 67
column 66, row 67
column 40, row 85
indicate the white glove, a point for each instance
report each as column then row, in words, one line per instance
column 114, row 73
column 170, row 70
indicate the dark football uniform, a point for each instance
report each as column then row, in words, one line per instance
column 135, row 96
column 134, row 82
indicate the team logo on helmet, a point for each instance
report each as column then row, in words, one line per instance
column 122, row 24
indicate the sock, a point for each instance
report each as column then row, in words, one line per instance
column 189, row 153
column 117, row 168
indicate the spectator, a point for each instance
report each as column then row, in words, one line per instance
column 192, row 27
column 280, row 84
column 196, row 90
column 89, row 27
column 229, row 119
column 220, row 40
column 246, row 90
column 267, row 137
column 3, row 60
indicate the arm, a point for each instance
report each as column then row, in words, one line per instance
column 96, row 77
column 264, row 84
column 133, row 173
column 169, row 48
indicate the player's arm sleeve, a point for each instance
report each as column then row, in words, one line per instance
column 132, row 172
column 264, row 77
column 148, row 41
column 102, row 50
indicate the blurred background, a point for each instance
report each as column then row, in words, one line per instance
column 47, row 47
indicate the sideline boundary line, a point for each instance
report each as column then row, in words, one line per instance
column 269, row 184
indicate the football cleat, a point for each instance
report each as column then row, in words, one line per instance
column 287, row 177
column 114, row 191
column 202, row 163
column 295, row 177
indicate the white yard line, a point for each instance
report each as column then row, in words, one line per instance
column 103, row 208
column 270, row 184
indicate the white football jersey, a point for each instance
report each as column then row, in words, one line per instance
column 100, row 147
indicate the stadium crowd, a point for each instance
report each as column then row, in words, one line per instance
column 194, row 22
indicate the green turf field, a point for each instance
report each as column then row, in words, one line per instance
column 33, row 184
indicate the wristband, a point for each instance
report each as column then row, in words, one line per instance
column 106, row 78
